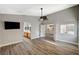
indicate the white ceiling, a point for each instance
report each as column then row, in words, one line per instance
column 32, row 9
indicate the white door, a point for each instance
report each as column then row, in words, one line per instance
column 42, row 31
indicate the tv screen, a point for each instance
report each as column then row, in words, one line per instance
column 12, row 25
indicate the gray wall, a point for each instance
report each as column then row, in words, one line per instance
column 67, row 16
column 10, row 36
column 35, row 25
column 16, row 35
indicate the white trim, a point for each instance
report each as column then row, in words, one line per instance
column 68, row 42
column 10, row 43
column 49, row 42
column 61, row 41
column 34, row 38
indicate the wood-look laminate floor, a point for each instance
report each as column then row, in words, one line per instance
column 39, row 47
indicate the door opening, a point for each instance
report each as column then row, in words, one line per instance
column 50, row 31
column 27, row 30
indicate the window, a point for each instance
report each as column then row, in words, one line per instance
column 63, row 28
column 67, row 29
column 70, row 28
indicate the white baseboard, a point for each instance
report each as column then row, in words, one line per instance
column 49, row 42
column 67, row 42
column 61, row 41
column 2, row 45
column 34, row 38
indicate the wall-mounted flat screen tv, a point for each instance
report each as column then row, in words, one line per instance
column 11, row 25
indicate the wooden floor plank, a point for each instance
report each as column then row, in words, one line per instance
column 39, row 47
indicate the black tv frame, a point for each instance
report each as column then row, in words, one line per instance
column 11, row 25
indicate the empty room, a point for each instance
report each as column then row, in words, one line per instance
column 39, row 29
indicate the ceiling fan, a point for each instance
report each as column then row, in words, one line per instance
column 43, row 18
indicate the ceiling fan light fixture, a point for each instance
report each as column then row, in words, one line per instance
column 43, row 18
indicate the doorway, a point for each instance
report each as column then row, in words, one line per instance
column 27, row 30
column 50, row 31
